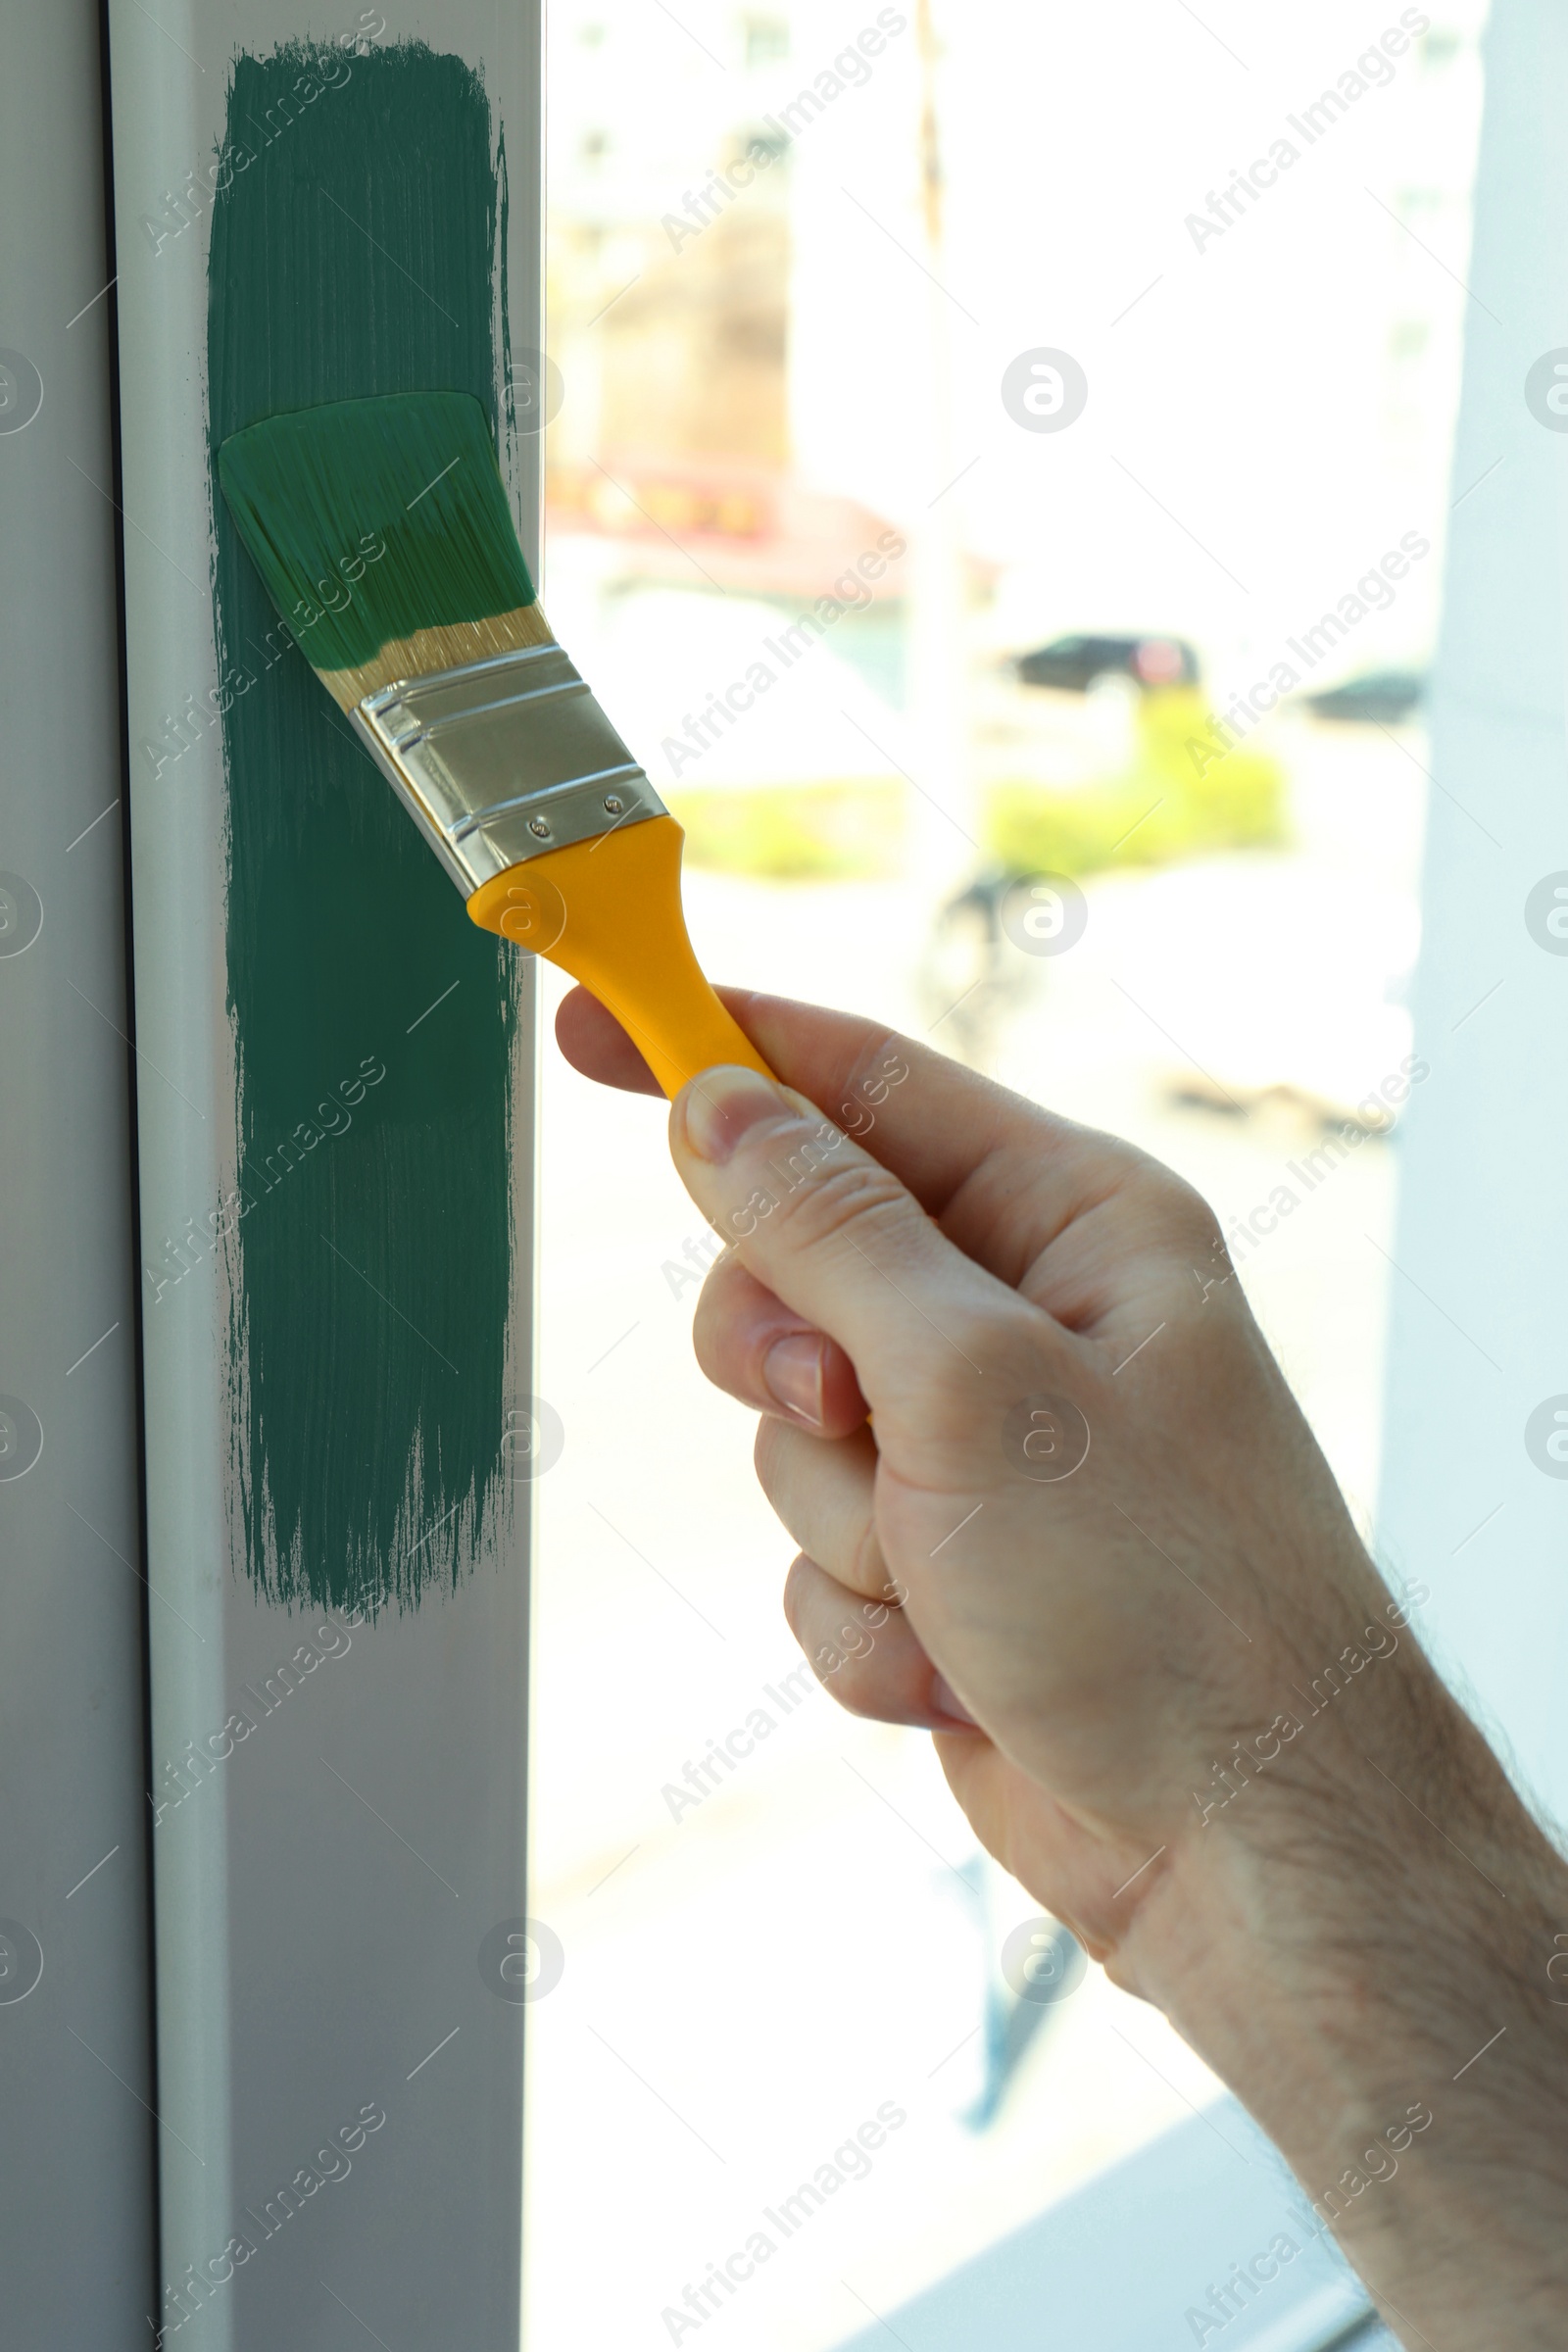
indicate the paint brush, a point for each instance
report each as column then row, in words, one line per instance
column 381, row 530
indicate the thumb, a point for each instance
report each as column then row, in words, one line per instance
column 836, row 1236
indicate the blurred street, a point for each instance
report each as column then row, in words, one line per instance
column 750, row 1979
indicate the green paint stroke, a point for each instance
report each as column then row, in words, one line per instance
column 355, row 254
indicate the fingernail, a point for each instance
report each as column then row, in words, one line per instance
column 792, row 1371
column 946, row 1702
column 718, row 1106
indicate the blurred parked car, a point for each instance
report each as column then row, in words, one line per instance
column 1380, row 697
column 1075, row 663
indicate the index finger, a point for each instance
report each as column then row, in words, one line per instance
column 933, row 1123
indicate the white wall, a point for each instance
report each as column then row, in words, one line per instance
column 1483, row 1229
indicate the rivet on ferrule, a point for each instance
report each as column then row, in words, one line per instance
column 503, row 759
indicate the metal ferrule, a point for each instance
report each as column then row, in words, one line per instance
column 503, row 759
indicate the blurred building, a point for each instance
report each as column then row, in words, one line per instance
column 744, row 340
column 670, row 294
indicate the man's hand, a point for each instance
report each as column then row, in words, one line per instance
column 1093, row 1547
column 1091, row 1514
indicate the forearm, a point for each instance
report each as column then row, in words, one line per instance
column 1360, row 1945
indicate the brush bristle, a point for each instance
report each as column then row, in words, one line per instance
column 382, row 527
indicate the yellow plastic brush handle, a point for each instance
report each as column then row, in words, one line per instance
column 609, row 912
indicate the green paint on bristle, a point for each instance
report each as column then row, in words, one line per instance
column 314, row 492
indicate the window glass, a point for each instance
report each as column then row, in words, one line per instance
column 999, row 489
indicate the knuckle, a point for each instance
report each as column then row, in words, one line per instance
column 1197, row 1247
column 726, row 1286
column 726, row 1308
column 1182, row 1212
column 858, row 1688
column 826, row 1622
column 840, row 1199
column 795, row 1596
column 881, row 1064
column 711, row 1329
